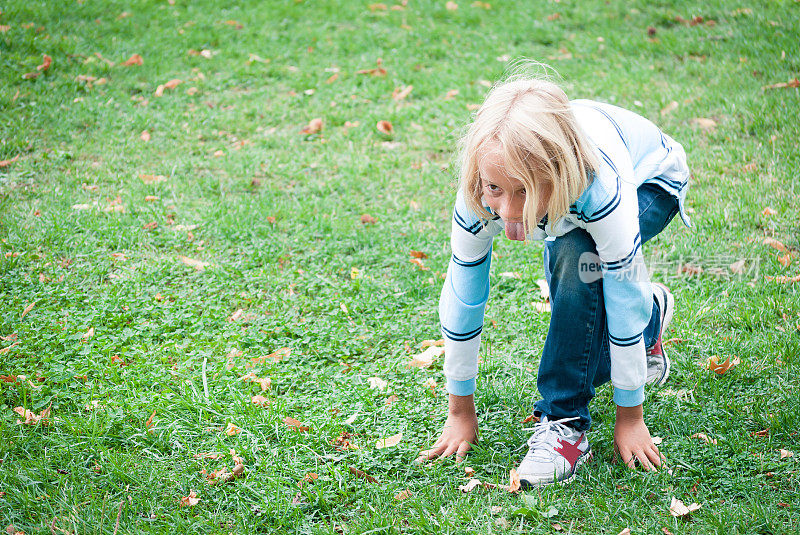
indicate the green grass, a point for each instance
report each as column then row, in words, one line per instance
column 159, row 323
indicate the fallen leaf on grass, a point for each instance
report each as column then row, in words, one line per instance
column 132, row 61
column 430, row 383
column 657, row 440
column 775, row 244
column 88, row 334
column 360, row 473
column 453, row 93
column 385, row 127
column 342, row 442
column 310, row 476
column 172, row 84
column 259, row 400
column 426, row 358
column 145, row 136
column 678, row 509
column 149, row 423
column 314, row 126
column 785, row 259
column 418, row 254
column 31, row 418
column 451, row 6
column 532, row 417
column 191, row 500
column 402, row 495
column 377, row 382
column 391, row 399
column 762, row 433
column 209, row 455
column 151, row 179
column 11, row 530
column 470, row 485
column 389, row 442
column 419, row 263
column 713, row 364
column 513, row 481
column 295, row 425
column 428, row 343
column 367, row 219
column 198, row 265
column 400, row 93
column 232, row 430
column 511, row 275
column 264, row 382
column 785, row 454
column 705, row 438
column 783, row 279
column 737, row 267
column 6, row 163
column 669, row 108
column 27, row 309
column 377, row 71
column 8, row 378
column 7, row 349
column 704, row 124
column 781, row 85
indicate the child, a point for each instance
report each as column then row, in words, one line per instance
column 595, row 182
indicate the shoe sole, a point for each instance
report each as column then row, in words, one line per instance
column 669, row 305
column 583, row 459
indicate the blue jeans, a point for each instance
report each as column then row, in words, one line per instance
column 575, row 358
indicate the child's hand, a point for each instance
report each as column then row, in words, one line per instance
column 632, row 440
column 460, row 431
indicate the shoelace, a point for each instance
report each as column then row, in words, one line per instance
column 543, row 430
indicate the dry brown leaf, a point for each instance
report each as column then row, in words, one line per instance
column 377, row 382
column 11, row 530
column 88, row 334
column 705, row 438
column 785, row 259
column 9, row 348
column 678, row 509
column 785, row 454
column 419, row 263
column 236, row 316
column 430, row 383
column 400, row 93
column 8, row 378
column 377, row 7
column 232, row 430
column 402, row 495
column 513, row 481
column 451, row 94
column 149, row 423
column 6, row 163
column 713, row 364
column 31, row 418
column 738, row 267
column 389, row 442
column 775, row 244
column 360, row 473
column 428, row 343
column 234, row 23
column 418, row 254
column 451, row 6
column 780, row 85
column 27, row 309
column 132, row 61
column 484, row 5
column 145, row 136
column 391, row 399
column 704, row 124
column 172, row 84
column 768, row 211
column 426, row 358
column 626, row 531
column 191, row 500
column 259, row 400
column 199, row 265
column 385, row 127
column 377, row 71
column 367, row 219
column 295, row 425
column 691, row 269
column 470, row 485
column 783, row 279
column 208, row 455
column 669, row 108
column 152, row 179
column 314, row 126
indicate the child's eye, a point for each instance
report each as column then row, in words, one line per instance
column 492, row 187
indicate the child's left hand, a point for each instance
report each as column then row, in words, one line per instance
column 632, row 440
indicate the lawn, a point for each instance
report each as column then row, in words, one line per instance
column 166, row 260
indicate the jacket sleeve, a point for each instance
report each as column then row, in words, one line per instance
column 464, row 295
column 627, row 293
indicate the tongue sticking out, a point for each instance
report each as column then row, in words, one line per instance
column 515, row 231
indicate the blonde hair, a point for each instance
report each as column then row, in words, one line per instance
column 528, row 121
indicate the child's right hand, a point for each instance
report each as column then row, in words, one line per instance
column 459, row 433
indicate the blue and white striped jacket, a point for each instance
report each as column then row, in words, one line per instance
column 631, row 151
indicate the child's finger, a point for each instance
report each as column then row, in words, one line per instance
column 642, row 456
column 462, row 451
column 654, row 456
column 451, row 449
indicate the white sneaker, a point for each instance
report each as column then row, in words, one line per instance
column 555, row 452
column 658, row 364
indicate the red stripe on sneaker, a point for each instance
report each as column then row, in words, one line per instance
column 570, row 451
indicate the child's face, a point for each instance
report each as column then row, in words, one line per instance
column 506, row 195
